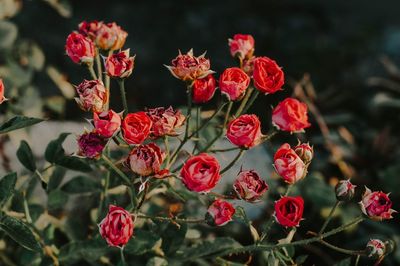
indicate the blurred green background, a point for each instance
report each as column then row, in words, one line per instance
column 350, row 49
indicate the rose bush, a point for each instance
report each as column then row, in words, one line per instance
column 153, row 190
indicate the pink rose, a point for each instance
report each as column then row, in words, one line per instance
column 249, row 186
column 233, row 82
column 220, row 213
column 289, row 165
column 93, row 96
column 242, row 46
column 200, row 173
column 145, row 160
column 245, row 131
column 376, row 205
column 106, row 123
column 117, row 227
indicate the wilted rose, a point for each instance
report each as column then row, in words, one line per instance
column 165, row 121
column 376, row 248
column 249, row 186
column 110, row 36
column 91, row 144
column 120, row 65
column 145, row 160
column 376, row 205
column 93, row 96
column 90, row 29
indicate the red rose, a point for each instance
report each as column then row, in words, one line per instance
column 289, row 211
column 204, row 89
column 80, row 49
column 165, row 121
column 305, row 152
column 249, row 186
column 106, row 123
column 289, row 165
column 136, row 127
column 220, row 212
column 93, row 96
column 242, row 45
column 376, row 205
column 200, row 173
column 245, row 131
column 89, row 29
column 119, row 65
column 290, row 115
column 117, row 227
column 91, row 145
column 188, row 67
column 2, row 97
column 145, row 160
column 267, row 75
column 110, row 36
column 233, row 82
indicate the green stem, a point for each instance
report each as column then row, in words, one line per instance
column 166, row 144
column 357, row 260
column 224, row 150
column 107, row 78
column 244, row 101
column 251, row 101
column 91, row 70
column 267, row 227
column 98, row 64
column 176, row 220
column 189, row 110
column 342, row 250
column 26, row 210
column 123, row 262
column 198, row 118
column 252, row 248
column 328, row 219
column 240, row 153
column 289, row 188
column 121, row 174
column 121, row 84
column 208, row 119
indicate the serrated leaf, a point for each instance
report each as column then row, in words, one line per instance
column 90, row 250
column 56, row 199
column 18, row 122
column 74, row 163
column 7, row 184
column 54, row 149
column 141, row 243
column 81, row 184
column 25, row 156
column 19, row 232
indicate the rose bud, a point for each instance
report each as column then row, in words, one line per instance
column 89, row 29
column 136, row 127
column 289, row 165
column 249, row 186
column 289, row 211
column 2, row 97
column 80, row 49
column 344, row 190
column 117, row 227
column 376, row 205
column 219, row 213
column 120, row 65
column 242, row 46
column 200, row 173
column 204, row 89
column 290, row 115
column 233, row 82
column 375, row 248
column 267, row 75
column 91, row 145
column 188, row 67
column 145, row 160
column 244, row 131
column 106, row 123
column 305, row 152
column 165, row 121
column 110, row 36
column 93, row 96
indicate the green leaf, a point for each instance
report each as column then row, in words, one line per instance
column 8, row 34
column 74, row 163
column 345, row 262
column 81, row 184
column 20, row 232
column 141, row 243
column 54, row 149
column 90, row 250
column 210, row 248
column 56, row 178
column 56, row 199
column 172, row 237
column 7, row 184
column 25, row 156
column 18, row 122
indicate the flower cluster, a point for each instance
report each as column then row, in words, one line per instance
column 145, row 134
